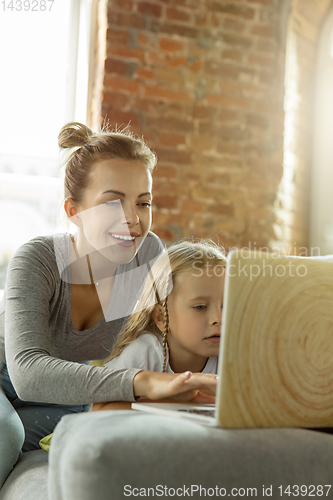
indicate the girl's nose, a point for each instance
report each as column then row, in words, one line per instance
column 216, row 318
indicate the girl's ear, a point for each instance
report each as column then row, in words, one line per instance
column 71, row 212
column 158, row 316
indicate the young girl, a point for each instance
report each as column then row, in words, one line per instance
column 182, row 331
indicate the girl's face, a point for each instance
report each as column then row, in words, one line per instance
column 195, row 313
column 115, row 213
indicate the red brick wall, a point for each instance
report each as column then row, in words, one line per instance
column 203, row 81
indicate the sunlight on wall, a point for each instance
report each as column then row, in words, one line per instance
column 285, row 196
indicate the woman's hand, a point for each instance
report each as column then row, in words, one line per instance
column 186, row 386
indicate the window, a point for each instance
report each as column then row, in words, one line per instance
column 321, row 229
column 44, row 59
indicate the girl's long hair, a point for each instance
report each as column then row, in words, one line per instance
column 181, row 258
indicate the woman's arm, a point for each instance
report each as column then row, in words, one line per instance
column 146, row 353
column 182, row 387
column 160, row 386
column 41, row 365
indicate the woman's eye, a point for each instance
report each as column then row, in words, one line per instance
column 113, row 203
column 145, row 204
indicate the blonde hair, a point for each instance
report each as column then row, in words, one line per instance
column 88, row 147
column 166, row 272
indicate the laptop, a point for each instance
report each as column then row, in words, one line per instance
column 276, row 351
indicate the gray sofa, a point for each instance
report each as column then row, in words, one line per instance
column 105, row 455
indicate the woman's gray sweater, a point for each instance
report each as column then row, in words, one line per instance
column 47, row 358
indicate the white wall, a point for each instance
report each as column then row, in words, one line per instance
column 321, row 222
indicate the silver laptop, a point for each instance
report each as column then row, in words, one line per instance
column 276, row 352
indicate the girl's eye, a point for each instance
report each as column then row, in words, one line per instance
column 199, row 308
column 145, row 204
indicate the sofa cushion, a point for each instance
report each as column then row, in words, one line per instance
column 28, row 480
column 99, row 454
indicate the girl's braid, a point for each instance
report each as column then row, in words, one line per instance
column 165, row 332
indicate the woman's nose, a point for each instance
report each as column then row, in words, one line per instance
column 131, row 217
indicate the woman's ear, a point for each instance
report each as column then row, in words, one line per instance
column 158, row 316
column 71, row 212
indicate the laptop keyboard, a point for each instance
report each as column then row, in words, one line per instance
column 201, row 411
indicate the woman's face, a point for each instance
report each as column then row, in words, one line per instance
column 115, row 212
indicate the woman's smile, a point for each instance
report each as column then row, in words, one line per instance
column 125, row 239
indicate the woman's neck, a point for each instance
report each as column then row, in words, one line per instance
column 88, row 265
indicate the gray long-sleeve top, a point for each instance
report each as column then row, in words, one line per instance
column 47, row 358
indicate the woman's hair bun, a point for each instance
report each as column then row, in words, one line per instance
column 73, row 135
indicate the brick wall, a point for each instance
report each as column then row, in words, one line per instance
column 203, row 81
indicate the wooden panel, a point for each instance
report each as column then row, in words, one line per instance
column 277, row 362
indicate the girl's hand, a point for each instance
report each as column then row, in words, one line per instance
column 183, row 387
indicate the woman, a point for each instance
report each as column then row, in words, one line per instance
column 67, row 296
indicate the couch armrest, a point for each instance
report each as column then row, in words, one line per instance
column 98, row 455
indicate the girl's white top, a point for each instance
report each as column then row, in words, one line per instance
column 146, row 353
